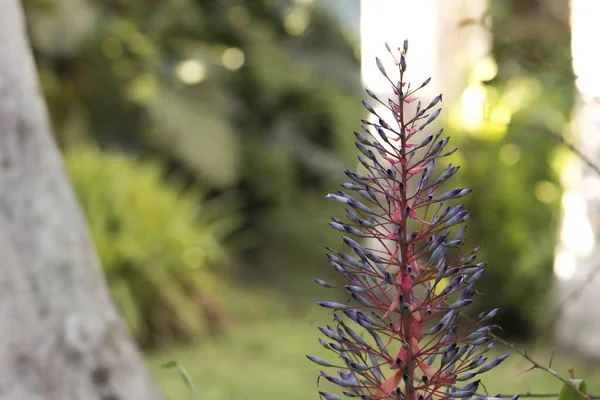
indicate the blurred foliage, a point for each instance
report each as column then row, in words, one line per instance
column 257, row 97
column 156, row 242
column 509, row 159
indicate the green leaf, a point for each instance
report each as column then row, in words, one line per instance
column 186, row 377
column 567, row 393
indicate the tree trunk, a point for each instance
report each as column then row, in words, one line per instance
column 60, row 336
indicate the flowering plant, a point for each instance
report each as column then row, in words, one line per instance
column 408, row 291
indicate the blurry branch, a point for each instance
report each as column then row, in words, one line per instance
column 537, row 365
column 575, row 150
column 532, row 395
column 534, row 365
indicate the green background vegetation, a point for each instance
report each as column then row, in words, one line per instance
column 201, row 137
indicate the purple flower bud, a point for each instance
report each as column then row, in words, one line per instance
column 438, row 147
column 466, row 377
column 333, row 305
column 459, row 304
column 425, row 83
column 382, row 134
column 361, row 138
column 329, row 396
column 337, row 198
column 369, row 108
column 330, row 333
column 367, row 195
column 366, row 224
column 355, row 289
column 323, row 283
column 353, row 231
column 359, row 206
column 362, row 300
column 359, row 367
column 450, row 152
column 365, row 151
column 320, row 361
column 435, row 100
column 454, row 194
column 435, row 329
column 338, row 381
column 380, row 66
column 480, row 341
column 337, row 226
column 492, row 364
column 489, row 315
column 352, row 186
column 337, row 347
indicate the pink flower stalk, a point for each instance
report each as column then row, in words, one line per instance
column 408, row 292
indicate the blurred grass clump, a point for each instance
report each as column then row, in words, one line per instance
column 159, row 244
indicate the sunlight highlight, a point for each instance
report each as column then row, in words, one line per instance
column 392, row 21
column 584, row 33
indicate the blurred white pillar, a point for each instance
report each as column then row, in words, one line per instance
column 439, row 45
column 438, row 48
column 577, row 325
column 393, row 21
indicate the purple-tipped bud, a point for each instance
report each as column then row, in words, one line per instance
column 355, row 289
column 425, row 83
column 359, row 206
column 329, row 396
column 460, row 304
column 359, row 367
column 492, row 364
column 435, row 100
column 489, row 315
column 371, row 94
column 338, row 381
column 362, row 300
column 380, row 66
column 361, row 138
column 453, row 194
column 480, row 341
column 335, row 197
column 323, row 283
column 330, row 333
column 333, row 305
column 466, row 377
column 369, row 108
column 319, row 361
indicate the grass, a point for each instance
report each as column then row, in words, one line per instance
column 266, row 360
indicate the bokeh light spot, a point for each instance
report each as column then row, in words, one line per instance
column 191, row 72
column 233, row 58
column 510, row 154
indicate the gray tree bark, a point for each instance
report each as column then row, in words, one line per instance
column 60, row 335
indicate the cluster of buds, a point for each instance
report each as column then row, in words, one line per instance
column 408, row 290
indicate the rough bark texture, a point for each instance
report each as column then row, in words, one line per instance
column 60, row 336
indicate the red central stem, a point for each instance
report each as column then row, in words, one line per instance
column 409, row 368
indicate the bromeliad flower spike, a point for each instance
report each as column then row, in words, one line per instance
column 398, row 336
